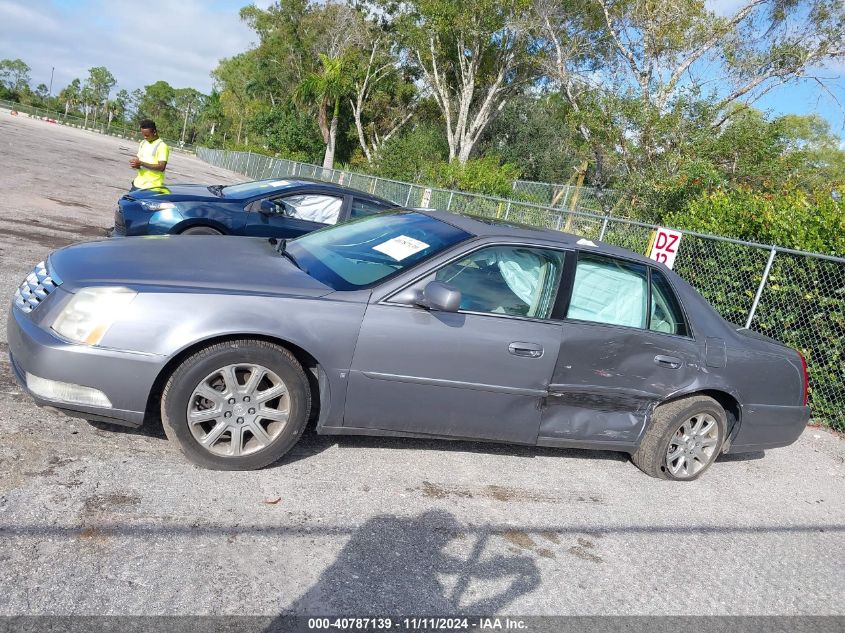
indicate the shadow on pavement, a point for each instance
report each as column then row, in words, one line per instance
column 393, row 565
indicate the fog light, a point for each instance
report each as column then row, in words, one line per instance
column 66, row 392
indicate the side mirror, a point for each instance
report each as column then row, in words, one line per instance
column 267, row 206
column 439, row 296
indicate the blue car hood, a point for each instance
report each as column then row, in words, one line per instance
column 175, row 193
column 212, row 263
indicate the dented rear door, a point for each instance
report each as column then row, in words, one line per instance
column 626, row 345
column 607, row 378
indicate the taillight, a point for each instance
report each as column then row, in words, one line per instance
column 806, row 378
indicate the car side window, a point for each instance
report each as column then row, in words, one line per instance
column 361, row 208
column 513, row 280
column 312, row 207
column 666, row 313
column 608, row 290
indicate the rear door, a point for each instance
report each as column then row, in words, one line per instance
column 626, row 345
column 296, row 214
column 481, row 372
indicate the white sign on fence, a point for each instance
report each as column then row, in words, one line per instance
column 340, row 180
column 426, row 198
column 664, row 246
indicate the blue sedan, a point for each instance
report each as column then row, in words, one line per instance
column 284, row 208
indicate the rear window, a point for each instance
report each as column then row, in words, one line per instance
column 610, row 291
column 666, row 314
column 362, row 208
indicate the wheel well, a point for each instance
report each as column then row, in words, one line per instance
column 191, row 224
column 309, row 364
column 725, row 400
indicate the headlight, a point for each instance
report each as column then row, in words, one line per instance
column 148, row 205
column 89, row 315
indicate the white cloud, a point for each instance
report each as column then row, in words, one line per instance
column 140, row 43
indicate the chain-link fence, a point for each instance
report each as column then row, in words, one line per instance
column 565, row 197
column 795, row 297
column 102, row 127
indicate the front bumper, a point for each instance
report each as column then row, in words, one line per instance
column 126, row 378
column 131, row 220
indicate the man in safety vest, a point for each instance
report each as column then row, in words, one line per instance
column 152, row 157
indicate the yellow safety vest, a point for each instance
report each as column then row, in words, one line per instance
column 155, row 152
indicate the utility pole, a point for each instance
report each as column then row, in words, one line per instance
column 185, row 123
column 50, row 91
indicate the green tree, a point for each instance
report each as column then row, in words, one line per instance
column 71, row 95
column 536, row 133
column 187, row 102
column 157, row 103
column 647, row 77
column 233, row 78
column 473, row 56
column 211, row 117
column 100, row 81
column 326, row 89
column 14, row 73
column 87, row 99
column 385, row 98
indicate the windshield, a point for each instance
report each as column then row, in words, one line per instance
column 363, row 252
column 255, row 188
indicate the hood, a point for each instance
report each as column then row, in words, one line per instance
column 174, row 193
column 213, row 263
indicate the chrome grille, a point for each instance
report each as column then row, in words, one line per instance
column 35, row 288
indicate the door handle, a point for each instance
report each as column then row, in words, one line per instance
column 668, row 361
column 529, row 350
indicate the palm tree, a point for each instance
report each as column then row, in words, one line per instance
column 326, row 88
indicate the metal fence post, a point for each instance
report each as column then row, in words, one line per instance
column 760, row 288
column 248, row 159
column 449, row 204
column 603, row 227
column 508, row 209
column 408, row 199
column 373, row 188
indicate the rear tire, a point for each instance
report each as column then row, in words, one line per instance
column 200, row 230
column 685, row 437
column 247, row 400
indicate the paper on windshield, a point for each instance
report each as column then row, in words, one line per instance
column 401, row 247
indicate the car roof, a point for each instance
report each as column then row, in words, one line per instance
column 491, row 227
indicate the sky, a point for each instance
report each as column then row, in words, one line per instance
column 139, row 42
column 181, row 42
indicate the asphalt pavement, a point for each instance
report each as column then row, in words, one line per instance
column 102, row 522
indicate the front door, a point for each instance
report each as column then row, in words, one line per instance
column 481, row 372
column 296, row 214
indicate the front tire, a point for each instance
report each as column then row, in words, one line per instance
column 238, row 405
column 684, row 439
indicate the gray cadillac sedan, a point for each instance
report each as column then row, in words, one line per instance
column 409, row 323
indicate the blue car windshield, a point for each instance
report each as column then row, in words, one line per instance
column 255, row 188
column 361, row 253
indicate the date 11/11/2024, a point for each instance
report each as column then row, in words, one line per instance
column 417, row 624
